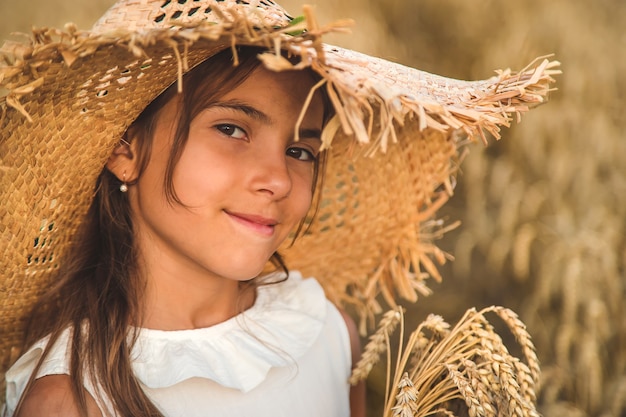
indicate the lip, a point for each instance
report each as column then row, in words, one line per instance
column 259, row 224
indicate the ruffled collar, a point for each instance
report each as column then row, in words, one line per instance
column 284, row 322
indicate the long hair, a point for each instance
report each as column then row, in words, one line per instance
column 98, row 291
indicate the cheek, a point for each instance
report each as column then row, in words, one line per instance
column 198, row 176
column 151, row 180
column 302, row 192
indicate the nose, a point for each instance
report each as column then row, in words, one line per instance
column 271, row 174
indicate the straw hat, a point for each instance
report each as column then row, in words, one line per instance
column 68, row 96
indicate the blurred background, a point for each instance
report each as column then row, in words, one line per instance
column 543, row 210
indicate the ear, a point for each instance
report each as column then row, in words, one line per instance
column 123, row 162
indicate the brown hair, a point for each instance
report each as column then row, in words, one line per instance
column 101, row 277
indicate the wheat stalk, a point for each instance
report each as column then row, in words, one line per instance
column 441, row 367
column 377, row 345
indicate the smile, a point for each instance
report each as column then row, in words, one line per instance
column 259, row 224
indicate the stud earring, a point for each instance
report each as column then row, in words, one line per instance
column 124, row 186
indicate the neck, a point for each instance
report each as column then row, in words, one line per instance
column 178, row 304
column 176, row 299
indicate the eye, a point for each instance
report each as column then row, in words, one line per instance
column 301, row 154
column 233, row 131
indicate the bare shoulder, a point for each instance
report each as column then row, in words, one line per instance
column 355, row 340
column 357, row 392
column 51, row 396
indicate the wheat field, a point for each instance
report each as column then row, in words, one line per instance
column 543, row 211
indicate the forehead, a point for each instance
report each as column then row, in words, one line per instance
column 295, row 83
column 288, row 89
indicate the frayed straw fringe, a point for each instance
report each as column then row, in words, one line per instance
column 508, row 93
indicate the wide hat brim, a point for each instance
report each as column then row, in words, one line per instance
column 68, row 96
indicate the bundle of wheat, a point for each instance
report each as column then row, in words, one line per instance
column 455, row 371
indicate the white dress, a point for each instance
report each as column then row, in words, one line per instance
column 288, row 355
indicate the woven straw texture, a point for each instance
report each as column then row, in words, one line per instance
column 394, row 144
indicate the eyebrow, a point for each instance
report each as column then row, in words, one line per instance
column 310, row 134
column 246, row 109
column 264, row 118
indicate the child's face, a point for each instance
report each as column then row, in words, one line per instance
column 244, row 181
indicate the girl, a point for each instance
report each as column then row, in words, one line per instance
column 152, row 172
column 193, row 202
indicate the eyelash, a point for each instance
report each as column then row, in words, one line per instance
column 310, row 156
column 228, row 129
column 222, row 128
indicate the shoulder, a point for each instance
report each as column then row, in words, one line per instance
column 52, row 396
column 18, row 376
column 357, row 392
column 353, row 332
column 51, row 392
column 355, row 340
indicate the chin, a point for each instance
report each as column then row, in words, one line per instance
column 248, row 275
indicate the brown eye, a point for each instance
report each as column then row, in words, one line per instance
column 301, row 154
column 231, row 130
